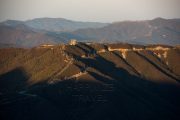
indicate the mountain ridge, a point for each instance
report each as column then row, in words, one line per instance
column 90, row 81
column 155, row 58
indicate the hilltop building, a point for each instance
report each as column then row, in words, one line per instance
column 73, row 42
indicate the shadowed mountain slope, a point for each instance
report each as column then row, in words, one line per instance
column 153, row 62
column 90, row 81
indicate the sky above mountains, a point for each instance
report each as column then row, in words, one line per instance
column 89, row 10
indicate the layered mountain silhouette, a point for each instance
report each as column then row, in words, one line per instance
column 58, row 30
column 23, row 36
column 90, row 81
column 38, row 31
column 55, row 24
column 156, row 31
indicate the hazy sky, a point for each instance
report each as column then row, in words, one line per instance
column 89, row 10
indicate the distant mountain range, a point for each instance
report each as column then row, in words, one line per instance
column 143, row 32
column 58, row 30
column 55, row 24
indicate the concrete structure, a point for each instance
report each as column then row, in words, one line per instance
column 46, row 46
column 73, row 42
